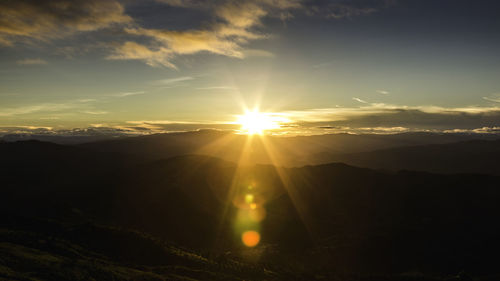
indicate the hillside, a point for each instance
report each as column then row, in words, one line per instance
column 360, row 220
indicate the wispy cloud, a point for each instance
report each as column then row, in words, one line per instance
column 383, row 92
column 359, row 100
column 86, row 100
column 45, row 107
column 218, row 88
column 82, row 104
column 94, row 112
column 31, row 62
column 170, row 81
column 493, row 98
column 127, row 94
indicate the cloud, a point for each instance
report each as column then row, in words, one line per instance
column 31, row 62
column 82, row 104
column 218, row 88
column 86, row 100
column 377, row 118
column 126, row 94
column 257, row 53
column 493, row 98
column 95, row 112
column 159, row 126
column 191, row 41
column 45, row 20
column 242, row 14
column 94, row 130
column 359, row 100
column 482, row 130
column 281, row 4
column 134, row 51
column 45, row 107
column 129, row 128
column 234, row 25
column 186, row 3
column 345, row 9
column 363, row 130
column 383, row 92
column 170, row 81
column 385, row 115
column 341, row 11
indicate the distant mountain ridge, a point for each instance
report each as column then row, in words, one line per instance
column 474, row 156
column 441, row 153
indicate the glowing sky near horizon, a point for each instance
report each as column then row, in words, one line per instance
column 324, row 66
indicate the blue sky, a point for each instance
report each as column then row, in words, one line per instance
column 325, row 66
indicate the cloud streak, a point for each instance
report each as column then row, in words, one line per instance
column 46, row 20
column 31, row 62
column 29, row 109
column 84, row 105
column 383, row 92
column 493, row 98
column 359, row 100
column 171, row 81
column 218, row 88
column 127, row 94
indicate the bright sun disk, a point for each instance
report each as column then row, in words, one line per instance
column 255, row 122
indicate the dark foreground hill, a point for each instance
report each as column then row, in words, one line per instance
column 332, row 221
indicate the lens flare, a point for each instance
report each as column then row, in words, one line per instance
column 249, row 198
column 250, row 238
column 257, row 214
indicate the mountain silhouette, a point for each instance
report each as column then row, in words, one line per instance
column 322, row 218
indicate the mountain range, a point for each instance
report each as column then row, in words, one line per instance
column 321, row 221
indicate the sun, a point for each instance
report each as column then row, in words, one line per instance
column 255, row 122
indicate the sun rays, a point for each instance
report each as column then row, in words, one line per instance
column 248, row 192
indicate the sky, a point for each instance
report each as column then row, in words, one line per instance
column 317, row 66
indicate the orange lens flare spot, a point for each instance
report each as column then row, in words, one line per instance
column 253, row 206
column 250, row 238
